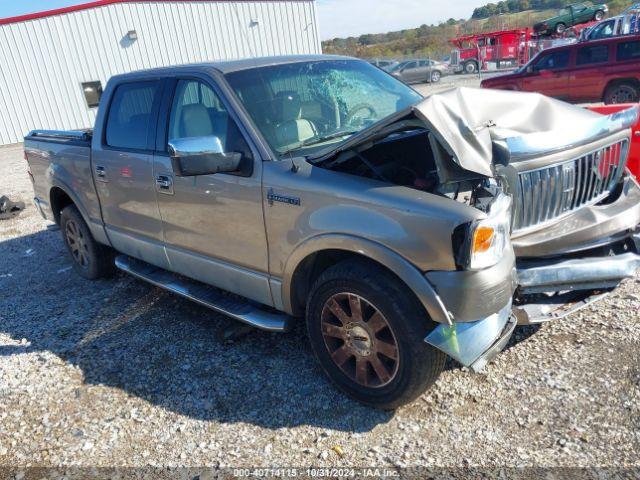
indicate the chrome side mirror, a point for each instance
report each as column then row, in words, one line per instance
column 202, row 156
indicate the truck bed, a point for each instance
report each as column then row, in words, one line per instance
column 62, row 159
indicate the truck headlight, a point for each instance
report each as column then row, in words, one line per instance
column 482, row 244
column 491, row 236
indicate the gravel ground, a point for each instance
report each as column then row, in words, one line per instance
column 118, row 373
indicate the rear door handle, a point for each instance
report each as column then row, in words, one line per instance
column 164, row 184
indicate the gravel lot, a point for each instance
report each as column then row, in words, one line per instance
column 118, row 373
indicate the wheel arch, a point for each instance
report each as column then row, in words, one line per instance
column 61, row 196
column 317, row 254
column 59, row 199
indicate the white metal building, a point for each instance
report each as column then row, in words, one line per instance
column 53, row 64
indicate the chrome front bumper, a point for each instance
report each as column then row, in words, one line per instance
column 579, row 274
column 552, row 289
column 475, row 344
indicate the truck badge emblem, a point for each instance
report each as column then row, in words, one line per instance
column 274, row 197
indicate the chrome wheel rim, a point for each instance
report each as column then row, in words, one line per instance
column 435, row 77
column 359, row 340
column 77, row 244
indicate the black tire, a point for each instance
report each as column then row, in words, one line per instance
column 436, row 75
column 624, row 92
column 561, row 28
column 89, row 259
column 599, row 15
column 418, row 364
column 471, row 67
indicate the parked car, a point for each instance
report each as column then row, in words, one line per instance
column 626, row 24
column 570, row 16
column 389, row 222
column 420, row 71
column 601, row 71
column 385, row 65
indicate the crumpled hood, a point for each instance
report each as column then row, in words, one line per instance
column 479, row 127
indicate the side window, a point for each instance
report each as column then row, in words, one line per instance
column 553, row 61
column 130, row 116
column 410, row 65
column 197, row 111
column 595, row 54
column 628, row 51
column 602, row 31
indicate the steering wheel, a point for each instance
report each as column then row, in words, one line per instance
column 362, row 106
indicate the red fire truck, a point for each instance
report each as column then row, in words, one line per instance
column 491, row 51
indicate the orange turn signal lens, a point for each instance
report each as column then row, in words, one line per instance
column 482, row 239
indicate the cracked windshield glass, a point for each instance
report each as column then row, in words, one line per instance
column 306, row 107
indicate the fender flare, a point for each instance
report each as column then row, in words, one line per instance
column 97, row 228
column 404, row 270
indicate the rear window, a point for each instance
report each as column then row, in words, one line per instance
column 129, row 122
column 629, row 51
column 594, row 54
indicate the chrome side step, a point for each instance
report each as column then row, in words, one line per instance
column 223, row 302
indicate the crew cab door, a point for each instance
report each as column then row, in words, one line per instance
column 549, row 74
column 213, row 223
column 122, row 163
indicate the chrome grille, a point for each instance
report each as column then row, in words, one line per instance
column 549, row 193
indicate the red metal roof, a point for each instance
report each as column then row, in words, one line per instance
column 101, row 3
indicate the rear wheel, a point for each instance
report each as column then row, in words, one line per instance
column 622, row 93
column 435, row 76
column 89, row 258
column 367, row 331
column 599, row 15
column 561, row 28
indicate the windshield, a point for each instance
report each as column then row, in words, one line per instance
column 309, row 106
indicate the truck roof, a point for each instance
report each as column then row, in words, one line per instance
column 235, row 65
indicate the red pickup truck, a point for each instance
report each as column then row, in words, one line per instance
column 600, row 71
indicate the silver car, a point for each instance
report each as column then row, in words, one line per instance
column 420, row 71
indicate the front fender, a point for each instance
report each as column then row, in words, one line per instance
column 410, row 275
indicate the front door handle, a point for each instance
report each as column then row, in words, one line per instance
column 164, row 184
column 101, row 173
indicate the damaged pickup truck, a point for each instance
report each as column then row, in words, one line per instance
column 402, row 229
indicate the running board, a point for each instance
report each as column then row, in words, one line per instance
column 222, row 302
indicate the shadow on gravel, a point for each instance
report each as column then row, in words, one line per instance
column 128, row 335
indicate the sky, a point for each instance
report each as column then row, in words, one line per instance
column 338, row 18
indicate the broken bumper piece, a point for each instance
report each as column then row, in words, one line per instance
column 475, row 344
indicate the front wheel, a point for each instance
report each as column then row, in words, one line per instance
column 89, row 259
column 599, row 15
column 367, row 331
column 435, row 76
column 622, row 93
column 561, row 28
